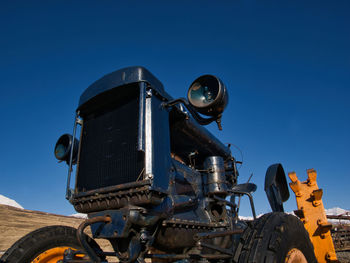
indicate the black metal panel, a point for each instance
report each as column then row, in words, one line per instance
column 121, row 77
column 109, row 152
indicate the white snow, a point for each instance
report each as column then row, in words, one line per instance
column 331, row 211
column 7, row 201
column 336, row 211
column 245, row 218
column 249, row 217
column 79, row 215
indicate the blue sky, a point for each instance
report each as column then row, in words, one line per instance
column 286, row 65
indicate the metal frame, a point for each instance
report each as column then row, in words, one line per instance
column 69, row 191
column 149, row 154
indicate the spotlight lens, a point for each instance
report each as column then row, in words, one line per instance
column 201, row 96
column 60, row 151
column 208, row 95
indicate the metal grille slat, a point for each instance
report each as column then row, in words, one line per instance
column 109, row 154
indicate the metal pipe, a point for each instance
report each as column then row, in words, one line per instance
column 250, row 200
column 75, row 261
column 199, row 236
column 252, row 204
column 196, row 116
column 68, row 191
column 81, row 237
column 187, row 256
column 141, row 129
column 239, row 200
column 149, row 154
column 196, row 137
column 228, row 203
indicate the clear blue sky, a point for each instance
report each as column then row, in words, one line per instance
column 286, row 64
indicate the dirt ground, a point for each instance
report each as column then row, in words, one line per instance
column 344, row 256
column 15, row 223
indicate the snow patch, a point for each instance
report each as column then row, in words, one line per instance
column 249, row 218
column 245, row 218
column 7, row 201
column 335, row 211
column 79, row 215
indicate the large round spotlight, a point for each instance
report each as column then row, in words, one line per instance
column 64, row 147
column 208, row 95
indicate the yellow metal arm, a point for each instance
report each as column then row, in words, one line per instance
column 311, row 212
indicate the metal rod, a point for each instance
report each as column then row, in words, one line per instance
column 195, row 115
column 188, row 256
column 75, row 261
column 239, row 198
column 141, row 130
column 68, row 191
column 252, row 204
column 217, row 234
column 250, row 200
column 81, row 237
column 148, row 136
column 230, row 204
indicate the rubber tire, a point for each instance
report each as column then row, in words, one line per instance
column 269, row 239
column 33, row 244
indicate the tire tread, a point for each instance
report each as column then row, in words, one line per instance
column 264, row 239
column 31, row 245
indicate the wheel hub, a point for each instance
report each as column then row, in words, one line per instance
column 53, row 255
column 295, row 256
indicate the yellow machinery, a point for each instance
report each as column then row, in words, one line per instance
column 311, row 212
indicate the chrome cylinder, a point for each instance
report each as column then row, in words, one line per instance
column 214, row 178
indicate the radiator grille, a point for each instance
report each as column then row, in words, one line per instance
column 109, row 154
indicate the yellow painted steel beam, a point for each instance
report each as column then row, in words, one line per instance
column 311, row 212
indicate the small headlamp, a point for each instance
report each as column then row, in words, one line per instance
column 64, row 147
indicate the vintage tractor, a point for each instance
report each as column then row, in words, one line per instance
column 158, row 185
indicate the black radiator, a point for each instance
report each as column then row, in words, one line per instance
column 108, row 154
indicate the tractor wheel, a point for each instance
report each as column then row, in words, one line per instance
column 45, row 245
column 276, row 238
